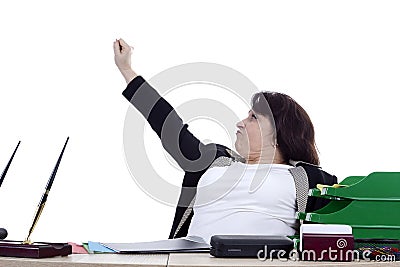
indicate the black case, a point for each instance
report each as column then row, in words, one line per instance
column 249, row 246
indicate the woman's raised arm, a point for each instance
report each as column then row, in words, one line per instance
column 187, row 150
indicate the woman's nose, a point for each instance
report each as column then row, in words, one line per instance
column 240, row 124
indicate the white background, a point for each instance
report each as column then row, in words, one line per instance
column 338, row 59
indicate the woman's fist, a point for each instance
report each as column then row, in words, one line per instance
column 122, row 55
column 122, row 58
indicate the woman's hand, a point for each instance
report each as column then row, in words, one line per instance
column 122, row 54
column 122, row 58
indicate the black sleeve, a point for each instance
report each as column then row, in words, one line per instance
column 317, row 176
column 191, row 154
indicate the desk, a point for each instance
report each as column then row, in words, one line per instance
column 173, row 260
column 204, row 260
column 89, row 260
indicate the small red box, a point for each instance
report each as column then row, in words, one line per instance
column 327, row 247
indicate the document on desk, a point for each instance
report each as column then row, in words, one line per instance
column 179, row 245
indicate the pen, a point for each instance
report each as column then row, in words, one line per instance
column 3, row 232
column 8, row 165
column 44, row 196
column 120, row 46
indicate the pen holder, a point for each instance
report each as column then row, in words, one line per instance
column 38, row 250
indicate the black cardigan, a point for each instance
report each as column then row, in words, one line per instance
column 190, row 153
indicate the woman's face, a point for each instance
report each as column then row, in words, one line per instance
column 254, row 135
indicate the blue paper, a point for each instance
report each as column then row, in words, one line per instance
column 98, row 247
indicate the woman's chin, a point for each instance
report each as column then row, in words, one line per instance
column 236, row 145
column 238, row 148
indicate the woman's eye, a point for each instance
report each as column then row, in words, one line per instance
column 254, row 116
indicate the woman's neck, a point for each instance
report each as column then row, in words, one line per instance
column 264, row 161
column 271, row 157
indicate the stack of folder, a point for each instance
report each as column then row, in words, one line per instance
column 369, row 204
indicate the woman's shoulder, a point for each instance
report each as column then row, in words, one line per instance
column 316, row 175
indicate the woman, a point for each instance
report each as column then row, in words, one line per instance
column 223, row 191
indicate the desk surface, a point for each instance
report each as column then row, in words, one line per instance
column 175, row 259
column 87, row 260
column 204, row 259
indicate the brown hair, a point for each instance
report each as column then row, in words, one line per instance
column 294, row 129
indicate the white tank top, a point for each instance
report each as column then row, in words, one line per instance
column 251, row 199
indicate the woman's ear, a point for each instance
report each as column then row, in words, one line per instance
column 275, row 143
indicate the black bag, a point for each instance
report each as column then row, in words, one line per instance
column 250, row 246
